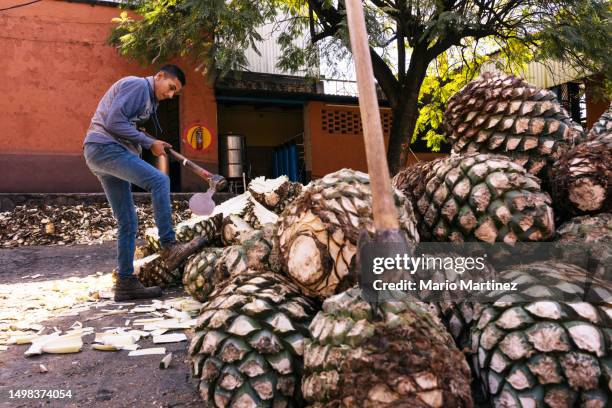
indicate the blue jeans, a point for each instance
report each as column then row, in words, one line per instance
column 117, row 168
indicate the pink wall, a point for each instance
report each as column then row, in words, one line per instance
column 55, row 66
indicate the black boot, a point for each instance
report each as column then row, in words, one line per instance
column 130, row 288
column 175, row 254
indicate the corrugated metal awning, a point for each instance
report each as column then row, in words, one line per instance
column 543, row 74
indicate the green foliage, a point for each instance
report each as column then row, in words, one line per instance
column 330, row 48
column 213, row 33
column 581, row 35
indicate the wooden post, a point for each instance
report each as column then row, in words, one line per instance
column 383, row 207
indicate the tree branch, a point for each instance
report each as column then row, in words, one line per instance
column 385, row 78
column 329, row 16
column 401, row 56
column 382, row 72
column 311, row 23
column 328, row 32
column 386, row 5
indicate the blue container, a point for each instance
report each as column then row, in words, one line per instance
column 293, row 162
column 277, row 163
column 285, row 160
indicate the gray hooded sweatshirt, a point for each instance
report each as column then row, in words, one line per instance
column 127, row 105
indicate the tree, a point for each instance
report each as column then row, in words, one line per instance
column 406, row 37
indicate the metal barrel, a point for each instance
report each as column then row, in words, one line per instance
column 232, row 155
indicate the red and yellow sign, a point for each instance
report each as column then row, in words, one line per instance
column 198, row 137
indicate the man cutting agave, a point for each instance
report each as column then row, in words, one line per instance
column 112, row 150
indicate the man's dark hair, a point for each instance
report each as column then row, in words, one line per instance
column 175, row 72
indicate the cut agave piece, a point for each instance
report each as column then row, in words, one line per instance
column 151, row 271
column 257, row 215
column 207, row 269
column 582, row 177
column 56, row 344
column 233, row 206
column 202, row 226
column 318, row 232
column 274, row 194
column 232, row 228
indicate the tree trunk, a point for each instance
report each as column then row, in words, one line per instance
column 405, row 115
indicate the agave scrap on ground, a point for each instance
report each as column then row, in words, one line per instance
column 72, row 224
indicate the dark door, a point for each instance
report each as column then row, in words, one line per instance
column 168, row 115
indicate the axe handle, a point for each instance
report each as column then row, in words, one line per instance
column 206, row 175
column 215, row 181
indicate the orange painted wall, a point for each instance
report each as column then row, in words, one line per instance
column 595, row 104
column 332, row 150
column 55, row 66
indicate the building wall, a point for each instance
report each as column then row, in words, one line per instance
column 56, row 65
column 596, row 104
column 336, row 139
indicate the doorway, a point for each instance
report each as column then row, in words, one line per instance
column 168, row 114
column 267, row 127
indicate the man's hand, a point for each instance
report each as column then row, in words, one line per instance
column 158, row 148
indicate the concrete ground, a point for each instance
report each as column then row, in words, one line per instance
column 67, row 291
